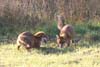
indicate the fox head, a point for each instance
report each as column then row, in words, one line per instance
column 60, row 41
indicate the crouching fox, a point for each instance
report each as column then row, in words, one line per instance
column 29, row 40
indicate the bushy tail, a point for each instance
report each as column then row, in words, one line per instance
column 60, row 22
column 39, row 34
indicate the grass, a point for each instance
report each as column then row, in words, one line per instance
column 47, row 56
column 88, row 30
column 85, row 54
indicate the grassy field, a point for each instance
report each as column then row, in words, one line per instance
column 85, row 54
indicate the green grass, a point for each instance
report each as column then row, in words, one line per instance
column 85, row 54
column 89, row 30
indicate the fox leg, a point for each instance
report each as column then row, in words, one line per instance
column 18, row 45
column 60, row 46
column 67, row 44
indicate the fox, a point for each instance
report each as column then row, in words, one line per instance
column 29, row 40
column 66, row 32
column 66, row 35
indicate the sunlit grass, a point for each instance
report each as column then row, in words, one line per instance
column 79, row 56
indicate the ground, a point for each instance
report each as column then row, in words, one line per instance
column 85, row 54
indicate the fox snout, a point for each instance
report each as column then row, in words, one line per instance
column 44, row 40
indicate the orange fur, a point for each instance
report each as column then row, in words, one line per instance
column 60, row 22
column 28, row 40
column 65, row 36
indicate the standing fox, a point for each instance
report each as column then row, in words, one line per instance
column 66, row 33
column 28, row 40
column 65, row 36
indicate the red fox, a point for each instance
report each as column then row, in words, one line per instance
column 28, row 40
column 66, row 35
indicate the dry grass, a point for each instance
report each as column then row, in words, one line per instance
column 79, row 56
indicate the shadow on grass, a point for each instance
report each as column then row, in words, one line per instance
column 81, row 44
column 50, row 50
